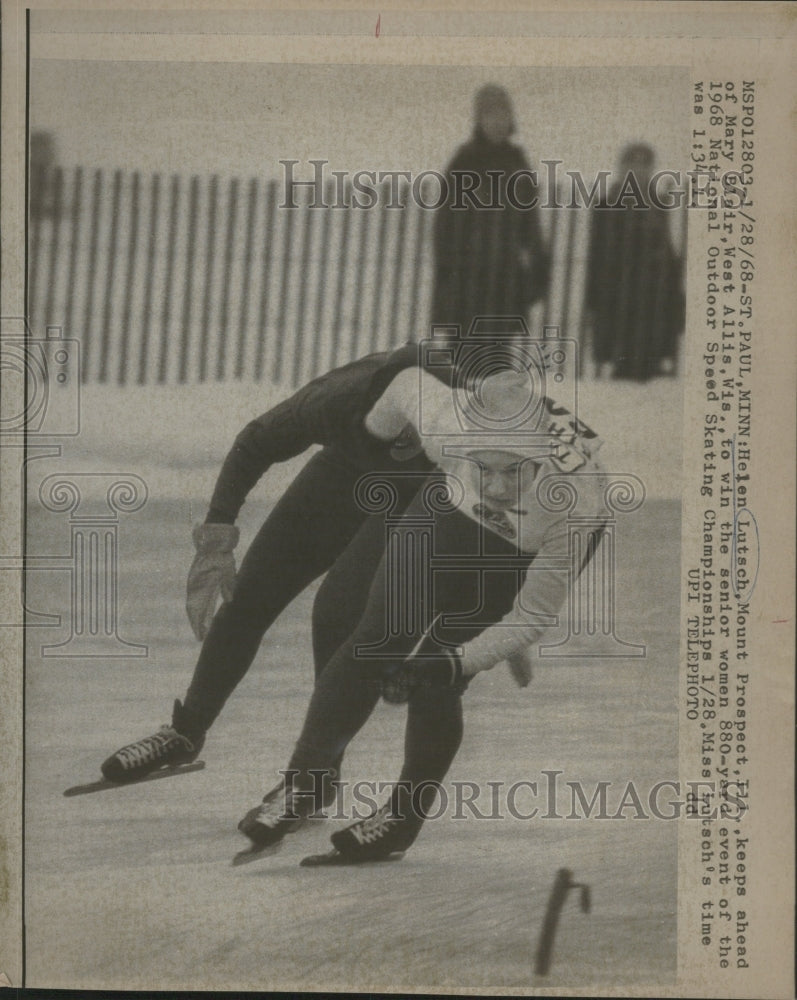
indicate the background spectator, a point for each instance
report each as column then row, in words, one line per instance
column 634, row 290
column 488, row 261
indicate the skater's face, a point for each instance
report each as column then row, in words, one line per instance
column 501, row 476
column 496, row 122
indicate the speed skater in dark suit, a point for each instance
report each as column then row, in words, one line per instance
column 306, row 531
column 469, row 618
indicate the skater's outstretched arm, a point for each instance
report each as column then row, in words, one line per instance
column 330, row 410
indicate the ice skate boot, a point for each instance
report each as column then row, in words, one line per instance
column 280, row 813
column 171, row 746
column 271, row 796
column 384, row 836
column 268, row 823
column 321, row 801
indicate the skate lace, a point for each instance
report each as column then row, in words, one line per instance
column 375, row 827
column 152, row 747
column 277, row 810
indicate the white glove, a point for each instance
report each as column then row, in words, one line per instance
column 520, row 666
column 212, row 573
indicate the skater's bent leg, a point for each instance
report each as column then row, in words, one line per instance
column 301, row 538
column 343, row 595
column 344, row 697
column 432, row 739
column 349, row 686
column 339, row 605
column 435, row 717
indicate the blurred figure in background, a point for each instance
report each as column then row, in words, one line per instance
column 634, row 293
column 490, row 259
column 43, row 160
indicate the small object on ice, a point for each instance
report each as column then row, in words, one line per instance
column 562, row 884
column 102, row 784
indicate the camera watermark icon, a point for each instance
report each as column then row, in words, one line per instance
column 546, row 370
column 40, row 405
column 41, row 378
column 513, row 459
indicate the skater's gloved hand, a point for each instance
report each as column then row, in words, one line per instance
column 430, row 665
column 212, row 573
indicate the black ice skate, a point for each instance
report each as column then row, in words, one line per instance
column 281, row 812
column 381, row 837
column 323, row 799
column 277, row 793
column 170, row 747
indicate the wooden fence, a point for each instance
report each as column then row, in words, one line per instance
column 170, row 279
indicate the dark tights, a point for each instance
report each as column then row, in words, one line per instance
column 304, row 534
column 351, row 610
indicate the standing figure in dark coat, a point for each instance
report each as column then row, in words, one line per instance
column 490, row 259
column 634, row 295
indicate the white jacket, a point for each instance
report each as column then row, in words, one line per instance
column 552, row 443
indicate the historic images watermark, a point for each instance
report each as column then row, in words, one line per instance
column 42, row 409
column 316, row 185
column 45, row 401
column 549, row 795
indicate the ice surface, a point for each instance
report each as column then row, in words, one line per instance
column 133, row 888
